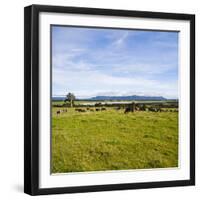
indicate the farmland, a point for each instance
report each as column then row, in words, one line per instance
column 111, row 140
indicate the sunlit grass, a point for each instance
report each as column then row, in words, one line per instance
column 112, row 140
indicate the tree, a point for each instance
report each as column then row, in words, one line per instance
column 70, row 97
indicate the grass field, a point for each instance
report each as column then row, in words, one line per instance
column 112, row 140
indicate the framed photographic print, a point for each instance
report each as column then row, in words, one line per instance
column 109, row 100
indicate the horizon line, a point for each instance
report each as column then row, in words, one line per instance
column 117, row 96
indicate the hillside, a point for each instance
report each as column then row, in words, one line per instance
column 129, row 98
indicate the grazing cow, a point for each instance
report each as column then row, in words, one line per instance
column 78, row 109
column 88, row 108
column 97, row 109
column 127, row 110
column 159, row 110
column 103, row 109
column 151, row 109
column 58, row 112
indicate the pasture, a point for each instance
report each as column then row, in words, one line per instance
column 111, row 140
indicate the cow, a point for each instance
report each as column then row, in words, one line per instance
column 103, row 109
column 127, row 110
column 79, row 110
column 97, row 109
column 58, row 112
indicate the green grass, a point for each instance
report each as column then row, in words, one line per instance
column 112, row 140
column 57, row 102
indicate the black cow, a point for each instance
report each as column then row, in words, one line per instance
column 58, row 112
column 127, row 110
column 80, row 110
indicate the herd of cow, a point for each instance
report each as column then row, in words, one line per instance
column 89, row 109
column 81, row 110
column 126, row 110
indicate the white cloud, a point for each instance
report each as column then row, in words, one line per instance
column 93, row 83
column 120, row 41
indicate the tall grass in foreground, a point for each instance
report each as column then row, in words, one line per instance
column 112, row 140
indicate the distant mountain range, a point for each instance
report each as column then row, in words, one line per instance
column 129, row 98
column 118, row 98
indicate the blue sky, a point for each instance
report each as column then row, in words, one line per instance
column 91, row 62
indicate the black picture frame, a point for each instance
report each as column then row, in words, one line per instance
column 31, row 98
